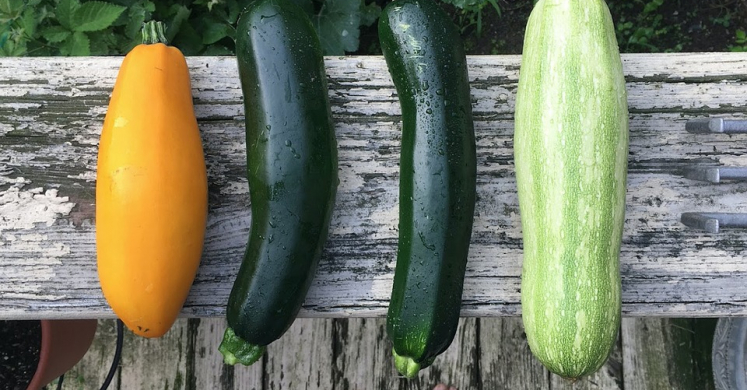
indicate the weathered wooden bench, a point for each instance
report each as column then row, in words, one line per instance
column 52, row 109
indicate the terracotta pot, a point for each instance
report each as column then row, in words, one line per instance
column 63, row 344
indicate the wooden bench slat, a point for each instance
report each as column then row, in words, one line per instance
column 52, row 109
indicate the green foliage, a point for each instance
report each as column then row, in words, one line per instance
column 201, row 27
column 723, row 20
column 338, row 24
column 48, row 27
column 471, row 13
column 741, row 42
column 472, row 4
column 647, row 29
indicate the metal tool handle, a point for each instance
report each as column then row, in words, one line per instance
column 716, row 125
column 714, row 222
column 717, row 174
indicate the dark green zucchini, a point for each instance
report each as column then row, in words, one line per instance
column 292, row 173
column 426, row 59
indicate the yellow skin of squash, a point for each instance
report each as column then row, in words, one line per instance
column 151, row 191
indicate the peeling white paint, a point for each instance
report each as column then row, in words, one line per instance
column 35, row 255
column 22, row 209
column 240, row 187
column 19, row 181
column 88, row 176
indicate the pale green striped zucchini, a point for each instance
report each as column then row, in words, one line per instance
column 571, row 149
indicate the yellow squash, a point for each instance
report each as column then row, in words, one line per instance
column 151, row 189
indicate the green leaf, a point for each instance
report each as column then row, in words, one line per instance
column 29, row 23
column 215, row 31
column 211, row 3
column 496, row 7
column 369, row 14
column 188, row 40
column 100, row 44
column 233, row 11
column 37, row 48
column 651, row 7
column 466, row 3
column 95, row 16
column 11, row 8
column 65, row 11
column 43, row 12
column 12, row 49
column 181, row 14
column 55, row 34
column 6, row 48
column 124, row 45
column 338, row 25
column 125, row 3
column 77, row 45
column 135, row 21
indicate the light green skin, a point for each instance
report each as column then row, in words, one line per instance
column 571, row 151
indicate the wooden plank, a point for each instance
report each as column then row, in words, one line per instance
column 458, row 366
column 302, row 358
column 51, row 110
column 208, row 371
column 505, row 359
column 665, row 353
column 355, row 354
column 363, row 355
column 363, row 359
column 155, row 364
column 186, row 358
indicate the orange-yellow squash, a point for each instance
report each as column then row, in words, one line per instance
column 151, row 191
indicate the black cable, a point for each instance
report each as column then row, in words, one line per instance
column 117, row 356
column 59, row 382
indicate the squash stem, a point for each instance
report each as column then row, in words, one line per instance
column 153, row 32
column 235, row 350
column 406, row 365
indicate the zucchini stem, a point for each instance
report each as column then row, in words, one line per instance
column 153, row 32
column 235, row 350
column 406, row 365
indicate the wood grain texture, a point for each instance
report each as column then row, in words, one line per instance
column 208, row 370
column 155, row 364
column 51, row 112
column 302, row 358
column 458, row 366
column 505, row 359
column 667, row 353
column 363, row 358
column 186, row 358
column 363, row 355
column 354, row 354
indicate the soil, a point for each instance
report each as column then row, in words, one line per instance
column 673, row 26
column 20, row 342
